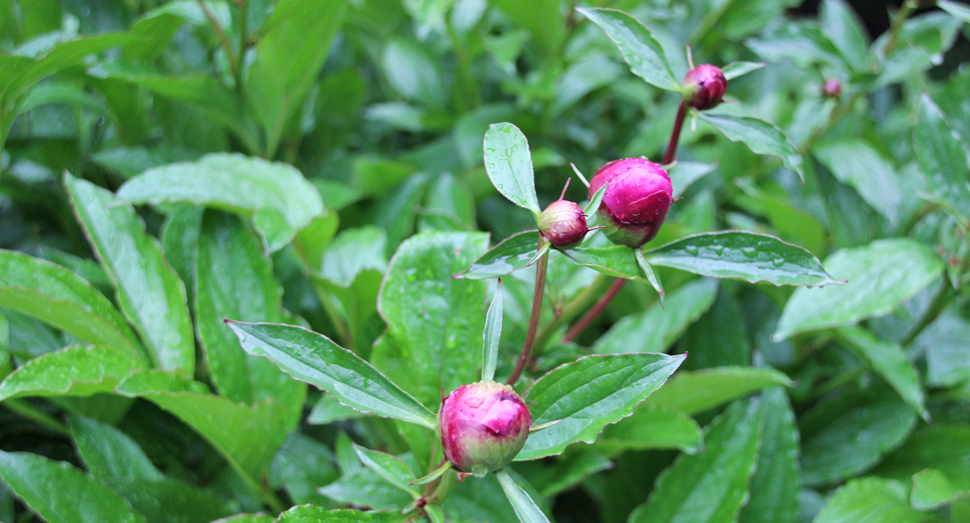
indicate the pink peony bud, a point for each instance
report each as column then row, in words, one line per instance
column 704, row 86
column 831, row 88
column 483, row 426
column 563, row 223
column 636, row 201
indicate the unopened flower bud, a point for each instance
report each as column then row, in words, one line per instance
column 704, row 86
column 637, row 198
column 563, row 223
column 831, row 88
column 483, row 426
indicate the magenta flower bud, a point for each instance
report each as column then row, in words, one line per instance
column 831, row 88
column 637, row 198
column 704, row 86
column 563, row 224
column 483, row 426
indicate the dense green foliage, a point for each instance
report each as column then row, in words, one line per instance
column 206, row 205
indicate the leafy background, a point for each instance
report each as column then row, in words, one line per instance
column 167, row 165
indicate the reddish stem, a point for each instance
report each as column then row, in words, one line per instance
column 530, row 336
column 675, row 133
column 594, row 312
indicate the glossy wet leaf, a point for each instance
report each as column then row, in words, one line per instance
column 525, row 508
column 746, row 255
column 390, row 468
column 149, row 291
column 236, row 281
column 63, row 300
column 169, row 500
column 312, row 514
column 31, row 476
column 313, row 358
column 774, row 486
column 710, row 486
column 72, row 371
column 942, row 158
column 435, row 322
column 279, row 199
column 511, row 254
column 700, row 390
column 616, row 260
column 760, row 136
column 652, row 427
column 492, row 334
column 873, row 500
column 508, row 163
column 639, row 48
column 879, row 277
column 589, row 394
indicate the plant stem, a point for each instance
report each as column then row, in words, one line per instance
column 675, row 133
column 596, row 310
column 241, row 54
column 530, row 336
column 940, row 301
column 907, row 9
column 41, row 418
column 223, row 38
column 571, row 310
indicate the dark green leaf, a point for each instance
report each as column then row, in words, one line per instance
column 364, row 488
column 873, row 500
column 760, row 136
column 774, row 486
column 509, row 165
column 391, row 469
column 312, row 514
column 700, row 390
column 302, row 465
column 880, row 276
column 109, row 453
column 328, row 410
column 73, row 371
column 616, row 260
column 589, row 394
column 640, row 49
column 511, row 254
column 945, row 344
column 313, row 358
column 180, row 240
column 492, row 335
column 844, row 28
column 945, row 448
column 652, row 427
column 525, row 508
column 857, row 164
column 149, row 291
column 710, row 486
column 543, row 18
column 684, row 174
column 170, row 500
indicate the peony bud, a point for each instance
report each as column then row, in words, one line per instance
column 483, row 426
column 637, row 198
column 704, row 86
column 831, row 88
column 563, row 223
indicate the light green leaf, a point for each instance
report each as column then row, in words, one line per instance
column 774, row 486
column 931, row 488
column 857, row 164
column 942, row 158
column 736, row 69
column 615, row 260
column 525, row 508
column 639, row 48
column 150, row 292
column 312, row 514
column 412, row 73
column 710, row 486
column 880, row 276
column 313, row 358
column 509, row 165
column 492, row 335
column 945, row 448
column 157, row 27
column 364, row 488
column 956, row 9
column 684, row 174
column 435, row 323
column 180, row 241
column 72, row 371
column 235, row 280
column 31, row 477
column 510, row 255
column 697, row 391
column 739, row 254
column 889, row 360
column 390, row 468
column 60, row 298
column 328, row 410
column 652, row 427
column 945, row 343
column 846, row 31
column 655, row 329
column 872, row 500
column 760, row 136
column 293, row 45
column 589, row 394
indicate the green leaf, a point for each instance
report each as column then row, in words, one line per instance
column 31, row 477
column 509, row 165
column 390, row 468
column 801, row 43
column 364, row 488
column 639, row 48
column 72, row 371
column 589, row 394
column 710, row 486
column 760, row 136
column 846, row 31
column 847, row 434
column 958, row 10
column 880, row 276
column 235, row 280
column 942, row 159
column 511, row 254
column 889, row 360
column 650, row 274
column 945, row 344
column 63, row 300
column 682, row 176
column 931, row 488
column 873, row 500
column 543, row 18
column 697, row 391
column 246, row 436
column 655, row 329
column 293, row 45
column 788, row 220
column 449, row 205
column 736, row 69
column 412, row 73
column 945, row 448
column 149, row 291
column 352, row 252
column 615, row 260
column 276, row 195
column 567, row 472
column 158, row 26
column 857, row 164
column 313, row 358
column 301, row 466
column 328, row 410
column 433, row 321
column 652, row 427
column 525, row 508
column 774, row 486
column 739, row 254
column 109, row 453
column 312, row 514
column 492, row 335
